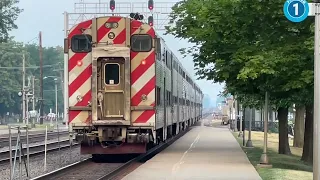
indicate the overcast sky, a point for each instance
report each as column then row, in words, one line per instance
column 47, row 16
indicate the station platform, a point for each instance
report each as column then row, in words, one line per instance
column 205, row 152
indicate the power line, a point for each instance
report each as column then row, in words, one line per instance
column 35, row 38
column 31, row 67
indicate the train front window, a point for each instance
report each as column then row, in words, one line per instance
column 141, row 43
column 112, row 74
column 81, row 43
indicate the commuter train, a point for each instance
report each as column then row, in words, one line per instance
column 127, row 91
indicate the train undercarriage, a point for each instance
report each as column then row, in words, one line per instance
column 125, row 140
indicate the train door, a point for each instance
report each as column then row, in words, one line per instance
column 111, row 89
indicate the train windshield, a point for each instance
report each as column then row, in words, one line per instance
column 141, row 43
column 81, row 43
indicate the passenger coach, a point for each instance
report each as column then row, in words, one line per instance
column 127, row 90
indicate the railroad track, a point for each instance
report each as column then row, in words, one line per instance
column 38, row 149
column 87, row 169
column 33, row 138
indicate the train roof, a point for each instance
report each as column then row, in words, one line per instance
column 179, row 62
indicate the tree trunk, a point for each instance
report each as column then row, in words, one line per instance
column 307, row 155
column 284, row 147
column 299, row 127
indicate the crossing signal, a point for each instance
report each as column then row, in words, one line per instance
column 150, row 20
column 150, row 5
column 112, row 5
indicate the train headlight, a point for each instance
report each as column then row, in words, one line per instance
column 111, row 35
column 110, row 25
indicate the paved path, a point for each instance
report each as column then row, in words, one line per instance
column 205, row 152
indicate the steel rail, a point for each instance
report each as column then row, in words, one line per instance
column 33, row 138
column 38, row 149
column 117, row 172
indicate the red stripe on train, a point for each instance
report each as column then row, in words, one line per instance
column 147, row 88
column 103, row 30
column 84, row 102
column 135, row 25
column 133, row 54
column 151, row 32
column 74, row 60
column 82, row 78
column 145, row 116
column 77, row 30
column 121, row 38
column 85, row 99
column 142, row 68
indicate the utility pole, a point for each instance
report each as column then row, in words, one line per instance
column 56, row 97
column 33, row 102
column 33, row 96
column 66, row 74
column 27, row 108
column 24, row 88
column 41, row 77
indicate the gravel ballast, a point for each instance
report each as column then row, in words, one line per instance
column 55, row 160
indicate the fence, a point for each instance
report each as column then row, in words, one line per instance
column 273, row 127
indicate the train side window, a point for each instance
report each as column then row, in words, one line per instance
column 81, row 43
column 166, row 58
column 167, row 98
column 111, row 74
column 158, row 96
column 141, row 43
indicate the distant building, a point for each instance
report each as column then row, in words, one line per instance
column 207, row 101
column 221, row 100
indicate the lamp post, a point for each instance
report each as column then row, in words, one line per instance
column 240, row 114
column 264, row 160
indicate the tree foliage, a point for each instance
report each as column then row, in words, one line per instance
column 11, row 54
column 10, row 79
column 251, row 52
column 9, row 12
column 251, row 47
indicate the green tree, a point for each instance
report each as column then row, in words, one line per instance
column 252, row 52
column 9, row 12
column 11, row 54
column 52, row 63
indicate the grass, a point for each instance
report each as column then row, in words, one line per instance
column 284, row 167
